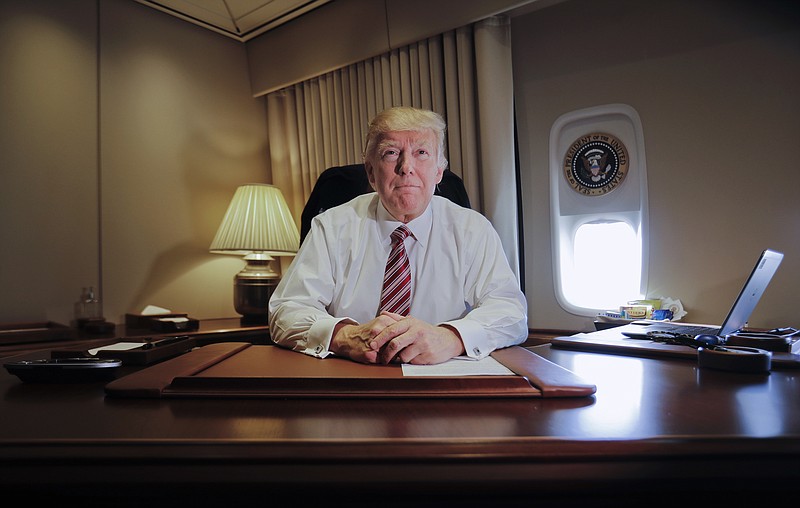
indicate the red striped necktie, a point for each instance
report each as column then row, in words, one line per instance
column 396, row 294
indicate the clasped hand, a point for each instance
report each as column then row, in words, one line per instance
column 396, row 338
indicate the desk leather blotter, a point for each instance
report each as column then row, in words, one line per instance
column 233, row 369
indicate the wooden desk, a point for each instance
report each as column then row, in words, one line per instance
column 656, row 432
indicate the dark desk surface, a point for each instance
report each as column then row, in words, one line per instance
column 655, row 430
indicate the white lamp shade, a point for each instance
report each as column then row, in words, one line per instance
column 257, row 220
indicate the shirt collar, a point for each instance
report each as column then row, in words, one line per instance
column 419, row 227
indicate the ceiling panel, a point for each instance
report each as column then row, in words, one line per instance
column 249, row 16
column 239, row 19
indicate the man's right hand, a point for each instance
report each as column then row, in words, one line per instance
column 356, row 341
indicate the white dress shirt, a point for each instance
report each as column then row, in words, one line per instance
column 459, row 276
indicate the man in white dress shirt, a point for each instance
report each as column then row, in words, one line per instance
column 465, row 300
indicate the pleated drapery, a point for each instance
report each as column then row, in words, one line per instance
column 465, row 75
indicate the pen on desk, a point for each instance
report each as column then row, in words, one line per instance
column 164, row 342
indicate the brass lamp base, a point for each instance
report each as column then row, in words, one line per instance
column 253, row 287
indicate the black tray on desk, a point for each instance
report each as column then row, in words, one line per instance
column 152, row 352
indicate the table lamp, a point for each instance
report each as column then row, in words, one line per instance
column 258, row 226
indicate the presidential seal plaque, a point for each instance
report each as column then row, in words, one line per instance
column 596, row 164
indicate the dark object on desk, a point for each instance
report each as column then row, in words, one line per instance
column 23, row 333
column 713, row 352
column 64, row 370
column 785, row 340
column 340, row 184
column 735, row 359
column 242, row 370
column 166, row 341
column 151, row 352
column 178, row 324
column 175, row 322
column 145, row 321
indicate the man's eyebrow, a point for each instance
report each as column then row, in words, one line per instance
column 417, row 142
column 386, row 143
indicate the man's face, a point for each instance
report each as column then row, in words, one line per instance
column 404, row 171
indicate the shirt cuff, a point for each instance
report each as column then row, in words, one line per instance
column 319, row 336
column 473, row 337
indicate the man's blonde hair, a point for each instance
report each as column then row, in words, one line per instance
column 403, row 118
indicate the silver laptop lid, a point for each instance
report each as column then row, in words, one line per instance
column 751, row 293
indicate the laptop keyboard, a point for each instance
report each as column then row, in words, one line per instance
column 690, row 330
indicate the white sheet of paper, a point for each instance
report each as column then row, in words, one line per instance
column 459, row 366
column 119, row 346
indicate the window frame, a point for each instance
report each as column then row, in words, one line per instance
column 627, row 203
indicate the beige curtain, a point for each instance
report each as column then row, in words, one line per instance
column 465, row 75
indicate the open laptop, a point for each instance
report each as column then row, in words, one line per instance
column 757, row 282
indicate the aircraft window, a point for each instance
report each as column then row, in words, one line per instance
column 605, row 267
column 599, row 220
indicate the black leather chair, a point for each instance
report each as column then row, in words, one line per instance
column 340, row 184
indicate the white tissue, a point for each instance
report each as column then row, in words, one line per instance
column 675, row 306
column 152, row 310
